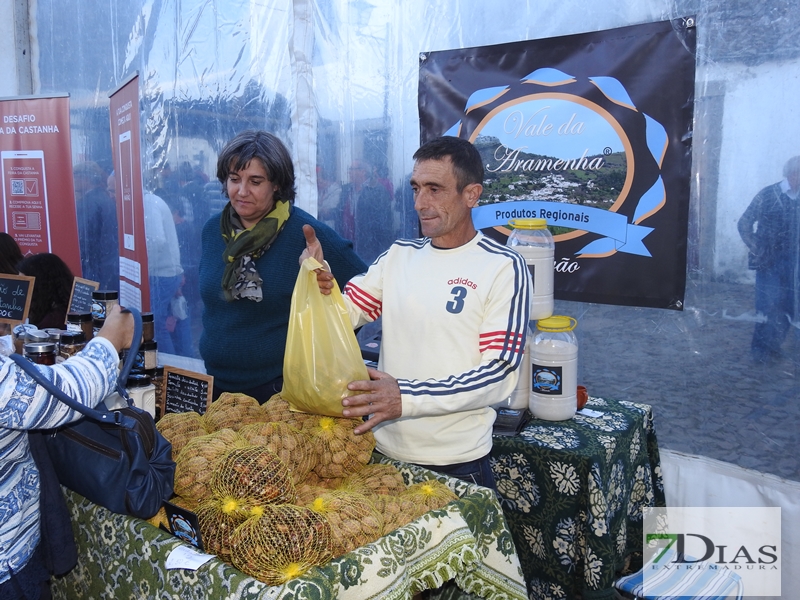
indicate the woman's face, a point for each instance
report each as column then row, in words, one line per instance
column 251, row 193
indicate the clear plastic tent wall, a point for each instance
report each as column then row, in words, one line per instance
column 337, row 81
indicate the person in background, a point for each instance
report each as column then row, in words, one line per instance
column 10, row 254
column 455, row 306
column 97, row 226
column 89, row 377
column 248, row 266
column 51, row 291
column 770, row 228
column 368, row 211
column 329, row 200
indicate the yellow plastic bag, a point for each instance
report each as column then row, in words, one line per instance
column 322, row 354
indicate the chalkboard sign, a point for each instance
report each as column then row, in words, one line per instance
column 183, row 391
column 80, row 299
column 15, row 297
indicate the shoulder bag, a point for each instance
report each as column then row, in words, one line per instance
column 115, row 458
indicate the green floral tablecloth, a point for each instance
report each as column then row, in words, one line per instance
column 121, row 557
column 573, row 492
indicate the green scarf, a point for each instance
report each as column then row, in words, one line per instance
column 245, row 246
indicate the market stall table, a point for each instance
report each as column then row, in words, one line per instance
column 573, row 493
column 468, row 540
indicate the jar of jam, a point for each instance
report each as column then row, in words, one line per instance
column 81, row 321
column 20, row 335
column 72, row 342
column 157, row 377
column 54, row 335
column 41, row 353
column 150, row 350
column 97, row 325
column 148, row 327
column 102, row 301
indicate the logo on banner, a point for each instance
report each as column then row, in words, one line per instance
column 574, row 151
column 699, row 552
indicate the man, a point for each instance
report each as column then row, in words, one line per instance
column 368, row 211
column 454, row 307
column 97, row 226
column 165, row 273
column 770, row 228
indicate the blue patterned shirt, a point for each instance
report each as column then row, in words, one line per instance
column 88, row 377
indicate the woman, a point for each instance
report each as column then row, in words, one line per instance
column 10, row 254
column 51, row 291
column 248, row 266
column 89, row 377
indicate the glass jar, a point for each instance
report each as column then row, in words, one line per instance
column 554, row 369
column 102, row 301
column 20, row 335
column 148, row 327
column 142, row 392
column 80, row 321
column 532, row 239
column 97, row 325
column 157, row 377
column 72, row 342
column 41, row 353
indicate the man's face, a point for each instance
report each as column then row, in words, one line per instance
column 445, row 214
column 357, row 174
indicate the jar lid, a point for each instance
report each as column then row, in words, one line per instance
column 556, row 323
column 137, row 380
column 22, row 329
column 97, row 322
column 72, row 337
column 39, row 348
column 153, row 345
column 36, row 335
column 78, row 317
column 105, row 295
column 528, row 223
column 53, row 333
column 147, row 317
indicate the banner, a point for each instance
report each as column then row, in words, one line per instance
column 591, row 132
column 134, row 287
column 38, row 204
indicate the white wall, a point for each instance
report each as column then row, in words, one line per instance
column 8, row 66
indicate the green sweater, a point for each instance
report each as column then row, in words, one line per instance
column 243, row 342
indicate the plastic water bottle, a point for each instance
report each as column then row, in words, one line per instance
column 532, row 239
column 554, row 369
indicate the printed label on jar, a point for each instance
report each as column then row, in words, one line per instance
column 546, row 380
column 98, row 310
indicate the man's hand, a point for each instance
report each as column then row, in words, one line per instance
column 118, row 328
column 314, row 250
column 381, row 400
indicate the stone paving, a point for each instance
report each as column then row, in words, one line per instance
column 694, row 367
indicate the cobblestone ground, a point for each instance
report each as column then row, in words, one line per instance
column 694, row 367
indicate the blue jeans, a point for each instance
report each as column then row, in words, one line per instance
column 774, row 300
column 475, row 471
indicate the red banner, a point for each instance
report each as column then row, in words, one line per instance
column 38, row 207
column 134, row 286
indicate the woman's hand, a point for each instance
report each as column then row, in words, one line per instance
column 118, row 328
column 314, row 250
